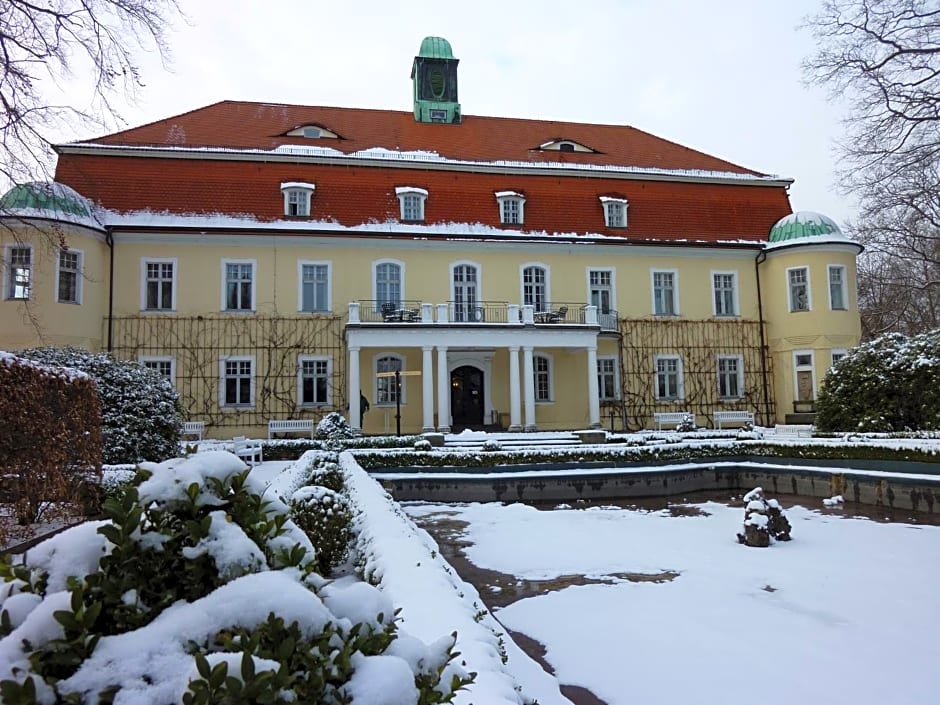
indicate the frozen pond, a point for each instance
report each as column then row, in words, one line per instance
column 644, row 605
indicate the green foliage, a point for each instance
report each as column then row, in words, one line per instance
column 325, row 517
column 889, row 384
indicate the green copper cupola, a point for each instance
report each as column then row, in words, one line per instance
column 434, row 75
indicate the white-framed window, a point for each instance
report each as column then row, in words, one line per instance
column 615, row 211
column 542, row 373
column 465, row 291
column 798, row 283
column 18, row 272
column 313, row 286
column 238, row 285
column 607, row 387
column 386, row 391
column 837, row 354
column 725, row 293
column 388, row 278
column 411, row 202
column 164, row 366
column 68, row 277
column 238, row 381
column 838, row 297
column 535, row 286
column 601, row 289
column 297, row 196
column 158, row 284
column 511, row 207
column 665, row 292
column 313, row 380
column 669, row 380
column 730, row 376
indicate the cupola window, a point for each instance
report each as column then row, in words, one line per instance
column 511, row 207
column 411, row 202
column 615, row 211
column 297, row 197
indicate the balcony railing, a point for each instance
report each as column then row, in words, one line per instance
column 480, row 312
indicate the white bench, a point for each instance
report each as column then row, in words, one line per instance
column 290, row 426
column 249, row 451
column 671, row 418
column 738, row 417
column 194, row 428
column 800, row 430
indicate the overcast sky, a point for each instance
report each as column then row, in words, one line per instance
column 722, row 77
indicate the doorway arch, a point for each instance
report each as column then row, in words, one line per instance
column 467, row 403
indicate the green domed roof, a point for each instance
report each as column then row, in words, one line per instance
column 435, row 48
column 45, row 196
column 803, row 224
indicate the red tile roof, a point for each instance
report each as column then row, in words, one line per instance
column 356, row 192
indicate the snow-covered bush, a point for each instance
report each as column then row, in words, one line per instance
column 334, row 427
column 423, row 445
column 492, row 445
column 141, row 413
column 889, row 384
column 687, row 425
column 197, row 590
column 324, row 516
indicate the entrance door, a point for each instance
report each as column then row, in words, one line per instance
column 466, row 398
column 804, row 385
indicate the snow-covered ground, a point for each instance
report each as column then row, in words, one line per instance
column 845, row 613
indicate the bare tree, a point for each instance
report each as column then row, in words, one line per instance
column 883, row 58
column 88, row 44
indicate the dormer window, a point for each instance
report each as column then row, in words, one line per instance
column 511, row 207
column 411, row 201
column 297, row 195
column 615, row 211
column 565, row 145
column 313, row 132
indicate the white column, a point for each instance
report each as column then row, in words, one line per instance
column 528, row 383
column 443, row 391
column 427, row 387
column 515, row 405
column 354, row 389
column 594, row 404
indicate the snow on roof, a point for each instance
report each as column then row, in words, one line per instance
column 297, row 184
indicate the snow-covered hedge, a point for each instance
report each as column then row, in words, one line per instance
column 196, row 590
column 889, row 384
column 141, row 413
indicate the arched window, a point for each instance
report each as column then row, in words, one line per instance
column 464, row 284
column 388, row 284
column 386, row 391
column 535, row 287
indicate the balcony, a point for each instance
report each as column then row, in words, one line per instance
column 489, row 313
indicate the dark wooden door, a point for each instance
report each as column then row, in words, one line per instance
column 466, row 398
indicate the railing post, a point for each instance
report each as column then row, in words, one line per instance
column 354, row 312
column 528, row 315
column 427, row 313
column 512, row 313
column 442, row 313
column 590, row 315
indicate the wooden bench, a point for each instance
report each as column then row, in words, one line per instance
column 290, row 426
column 800, row 430
column 670, row 418
column 738, row 417
column 194, row 428
column 249, row 451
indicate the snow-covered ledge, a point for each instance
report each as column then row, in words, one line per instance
column 405, row 563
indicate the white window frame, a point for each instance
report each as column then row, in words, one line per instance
column 615, row 373
column 403, row 193
column 680, row 377
column 548, row 284
column 549, row 372
column 841, row 352
column 610, row 203
column 375, row 282
column 301, row 359
column 809, row 293
column 8, row 276
column 503, row 198
column 144, row 281
column 675, row 290
column 739, row 376
column 299, row 192
column 300, row 285
column 735, row 302
column 223, row 378
column 613, row 286
column 254, row 285
column 79, row 275
column 380, row 399
column 478, row 294
column 145, row 360
column 810, row 366
column 844, row 289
